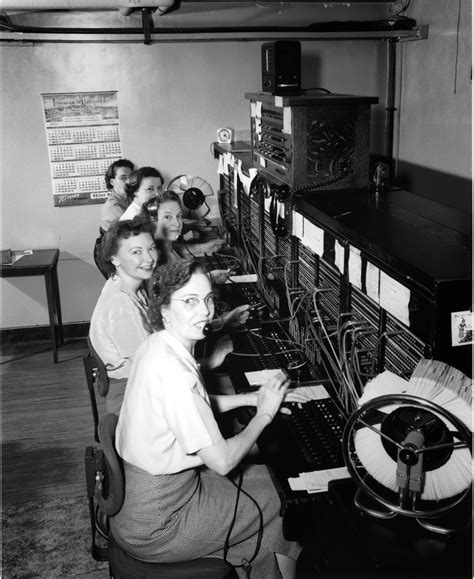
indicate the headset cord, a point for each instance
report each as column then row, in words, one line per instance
column 246, row 563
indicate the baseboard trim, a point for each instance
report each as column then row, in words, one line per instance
column 38, row 333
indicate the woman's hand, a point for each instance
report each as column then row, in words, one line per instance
column 272, row 393
column 223, row 347
column 221, row 275
column 211, row 246
column 237, row 317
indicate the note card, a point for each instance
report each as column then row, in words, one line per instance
column 287, row 120
column 259, row 377
column 372, row 281
column 394, row 297
column 312, row 392
column 339, row 256
column 318, row 480
column 247, row 278
column 313, row 237
column 355, row 267
column 298, row 225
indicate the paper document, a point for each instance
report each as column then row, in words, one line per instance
column 248, row 278
column 317, row 481
column 313, row 392
column 261, row 376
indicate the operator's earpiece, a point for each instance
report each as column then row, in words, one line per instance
column 277, row 221
column 207, row 330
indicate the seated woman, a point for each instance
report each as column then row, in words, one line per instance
column 165, row 211
column 141, row 186
column 179, row 502
column 119, row 322
column 116, row 202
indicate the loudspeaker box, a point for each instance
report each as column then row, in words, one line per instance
column 281, row 67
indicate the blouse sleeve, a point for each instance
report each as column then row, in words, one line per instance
column 110, row 214
column 128, row 329
column 189, row 414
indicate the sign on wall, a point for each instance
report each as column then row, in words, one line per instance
column 83, row 138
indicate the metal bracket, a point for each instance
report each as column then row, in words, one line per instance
column 147, row 23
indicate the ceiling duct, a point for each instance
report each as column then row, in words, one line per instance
column 84, row 4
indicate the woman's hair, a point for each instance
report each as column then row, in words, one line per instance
column 150, row 208
column 116, row 232
column 166, row 280
column 135, row 179
column 112, row 171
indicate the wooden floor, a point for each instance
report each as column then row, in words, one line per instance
column 47, row 422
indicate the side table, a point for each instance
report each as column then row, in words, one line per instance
column 43, row 262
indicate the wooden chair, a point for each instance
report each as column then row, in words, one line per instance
column 96, row 375
column 106, row 487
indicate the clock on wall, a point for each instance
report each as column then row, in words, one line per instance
column 224, row 135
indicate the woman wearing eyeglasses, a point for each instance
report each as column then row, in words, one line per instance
column 141, row 186
column 117, row 201
column 115, row 204
column 180, row 477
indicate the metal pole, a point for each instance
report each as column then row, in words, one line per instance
column 390, row 101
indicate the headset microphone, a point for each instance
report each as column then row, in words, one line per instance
column 207, row 330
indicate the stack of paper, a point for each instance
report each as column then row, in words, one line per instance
column 317, row 481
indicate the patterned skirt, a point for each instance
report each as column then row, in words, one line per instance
column 187, row 515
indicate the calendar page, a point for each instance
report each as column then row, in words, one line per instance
column 83, row 139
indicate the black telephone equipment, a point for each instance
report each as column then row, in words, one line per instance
column 280, row 193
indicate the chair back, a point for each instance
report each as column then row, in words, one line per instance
column 90, row 369
column 103, row 378
column 106, row 489
column 111, row 491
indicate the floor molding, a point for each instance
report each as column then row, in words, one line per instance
column 36, row 333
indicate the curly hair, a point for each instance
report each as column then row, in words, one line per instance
column 112, row 171
column 166, row 280
column 150, row 208
column 135, row 180
column 116, row 232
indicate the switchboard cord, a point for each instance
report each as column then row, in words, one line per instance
column 246, row 563
column 346, row 391
column 246, row 242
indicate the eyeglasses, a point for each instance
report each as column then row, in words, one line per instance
column 192, row 302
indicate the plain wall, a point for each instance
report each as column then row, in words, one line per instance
column 436, row 92
column 172, row 97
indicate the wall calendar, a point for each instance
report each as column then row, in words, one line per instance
column 83, row 138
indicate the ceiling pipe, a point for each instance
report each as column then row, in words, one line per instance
column 37, row 5
column 320, row 27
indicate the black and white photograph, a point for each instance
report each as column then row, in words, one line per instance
column 236, row 288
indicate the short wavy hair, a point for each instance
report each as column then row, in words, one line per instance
column 116, row 232
column 150, row 208
column 136, row 177
column 166, row 280
column 112, row 171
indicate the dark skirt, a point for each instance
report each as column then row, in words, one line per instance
column 114, row 397
column 187, row 515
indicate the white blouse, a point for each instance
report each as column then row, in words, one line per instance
column 113, row 208
column 119, row 324
column 166, row 414
column 132, row 211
